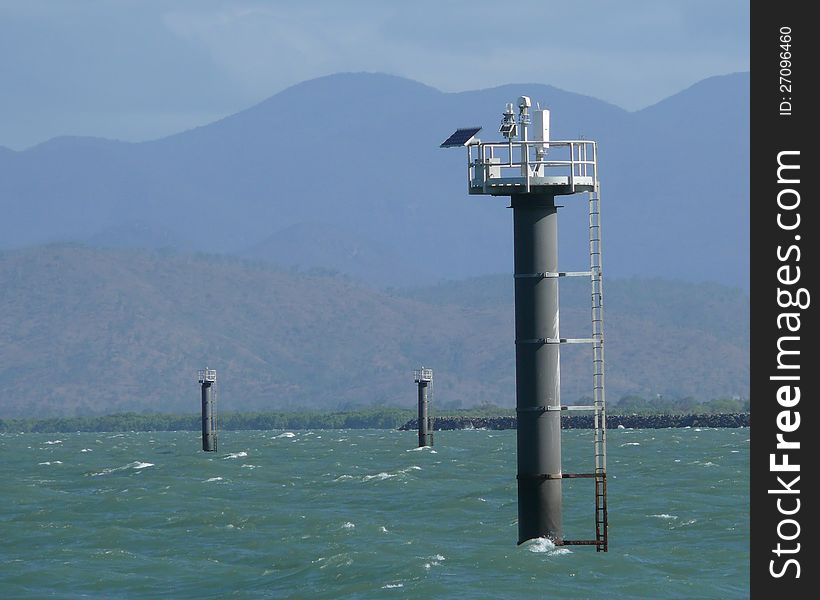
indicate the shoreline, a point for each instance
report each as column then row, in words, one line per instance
column 633, row 421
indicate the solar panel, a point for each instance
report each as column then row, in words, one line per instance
column 460, row 137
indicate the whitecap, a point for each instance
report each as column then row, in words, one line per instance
column 422, row 449
column 544, row 545
column 631, row 444
column 383, row 529
column 133, row 465
column 51, row 462
column 343, row 477
column 348, row 525
column 665, row 516
column 54, row 442
column 236, row 455
column 86, row 450
column 388, row 586
column 250, row 466
column 213, row 479
column 380, row 476
column 287, row 434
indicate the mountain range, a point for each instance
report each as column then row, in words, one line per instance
column 344, row 173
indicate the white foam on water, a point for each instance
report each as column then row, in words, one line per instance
column 734, row 451
column 665, row 516
column 137, row 465
column 389, row 586
column 250, row 466
column 287, row 434
column 544, row 545
column 343, row 477
column 213, row 479
column 86, row 450
column 51, row 462
column 631, row 444
column 236, row 455
column 379, row 476
column 54, row 442
column 383, row 529
column 348, row 525
column 422, row 449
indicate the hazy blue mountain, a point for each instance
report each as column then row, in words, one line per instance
column 360, row 152
column 90, row 331
column 137, row 234
column 311, row 246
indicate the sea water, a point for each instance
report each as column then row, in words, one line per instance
column 364, row 514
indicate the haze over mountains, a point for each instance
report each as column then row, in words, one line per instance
column 319, row 245
column 344, row 173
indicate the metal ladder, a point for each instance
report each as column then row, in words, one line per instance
column 598, row 389
column 215, row 417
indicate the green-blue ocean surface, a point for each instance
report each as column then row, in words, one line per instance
column 364, row 514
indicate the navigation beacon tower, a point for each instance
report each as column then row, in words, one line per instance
column 424, row 378
column 533, row 170
column 207, row 379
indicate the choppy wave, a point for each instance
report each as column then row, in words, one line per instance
column 545, row 546
column 422, row 449
column 282, row 528
column 235, row 455
column 136, row 465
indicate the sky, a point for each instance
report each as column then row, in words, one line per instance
column 142, row 69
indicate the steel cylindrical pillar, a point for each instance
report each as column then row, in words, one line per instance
column 208, row 433
column 537, row 365
column 425, row 436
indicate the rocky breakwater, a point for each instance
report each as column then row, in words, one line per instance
column 633, row 421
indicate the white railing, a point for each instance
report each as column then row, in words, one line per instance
column 422, row 375
column 208, row 375
column 535, row 162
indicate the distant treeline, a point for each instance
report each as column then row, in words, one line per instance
column 372, row 418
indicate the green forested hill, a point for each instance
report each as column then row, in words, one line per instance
column 87, row 331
